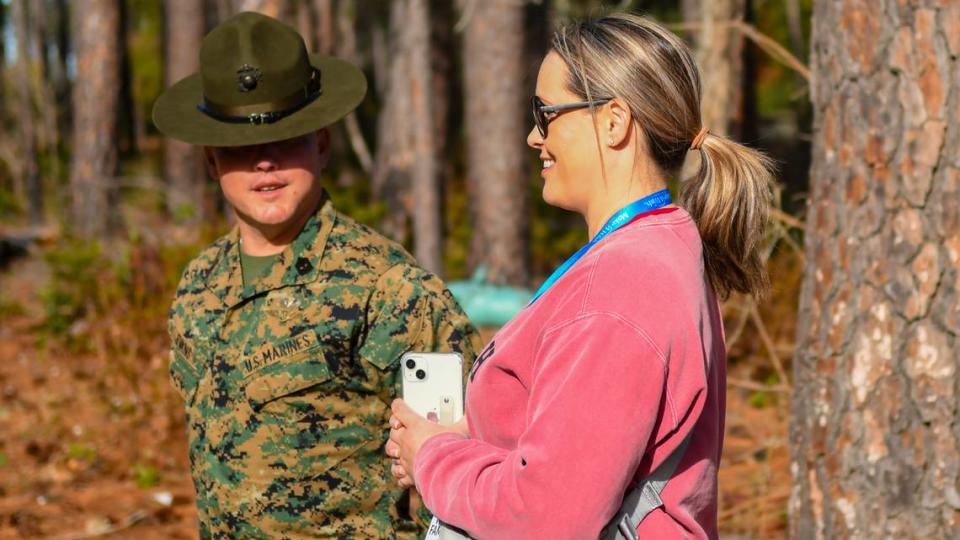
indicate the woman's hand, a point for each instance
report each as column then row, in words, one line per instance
column 408, row 432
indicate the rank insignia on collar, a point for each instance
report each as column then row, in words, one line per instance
column 303, row 266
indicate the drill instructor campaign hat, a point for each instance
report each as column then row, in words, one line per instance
column 256, row 85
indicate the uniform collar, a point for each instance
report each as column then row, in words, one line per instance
column 296, row 264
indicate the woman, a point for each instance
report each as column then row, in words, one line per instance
column 619, row 362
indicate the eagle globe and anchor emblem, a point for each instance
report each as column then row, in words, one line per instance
column 248, row 77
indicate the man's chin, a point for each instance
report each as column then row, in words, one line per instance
column 268, row 220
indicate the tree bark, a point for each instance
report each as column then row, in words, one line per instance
column 875, row 431
column 795, row 29
column 60, row 21
column 427, row 222
column 30, row 170
column 442, row 49
column 183, row 167
column 495, row 97
column 95, row 100
column 305, row 25
column 719, row 50
column 3, row 46
column 325, row 20
column 278, row 9
column 394, row 157
column 43, row 14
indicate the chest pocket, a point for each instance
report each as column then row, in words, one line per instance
column 284, row 369
column 313, row 422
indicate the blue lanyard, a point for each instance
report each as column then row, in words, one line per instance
column 621, row 218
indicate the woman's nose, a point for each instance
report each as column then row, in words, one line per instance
column 534, row 139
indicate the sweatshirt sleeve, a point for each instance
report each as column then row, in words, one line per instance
column 597, row 392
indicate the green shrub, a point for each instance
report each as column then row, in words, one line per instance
column 146, row 476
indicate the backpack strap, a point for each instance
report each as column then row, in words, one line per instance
column 643, row 498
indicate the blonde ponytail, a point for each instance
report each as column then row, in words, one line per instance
column 729, row 199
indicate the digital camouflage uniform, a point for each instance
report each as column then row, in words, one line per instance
column 288, row 381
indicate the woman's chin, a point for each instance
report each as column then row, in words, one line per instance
column 548, row 196
column 555, row 199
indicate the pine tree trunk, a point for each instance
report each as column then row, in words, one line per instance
column 278, row 9
column 393, row 161
column 30, row 171
column 183, row 168
column 95, row 99
column 60, row 23
column 325, row 20
column 496, row 127
column 427, row 222
column 42, row 16
column 719, row 53
column 442, row 50
column 876, row 430
column 126, row 111
column 3, row 46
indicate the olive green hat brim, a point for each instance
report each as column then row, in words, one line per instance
column 176, row 114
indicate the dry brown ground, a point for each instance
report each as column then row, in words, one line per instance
column 75, row 428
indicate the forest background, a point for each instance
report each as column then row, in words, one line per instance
column 99, row 214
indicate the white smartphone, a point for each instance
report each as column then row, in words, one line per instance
column 433, row 385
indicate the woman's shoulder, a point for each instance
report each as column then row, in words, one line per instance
column 650, row 268
column 651, row 246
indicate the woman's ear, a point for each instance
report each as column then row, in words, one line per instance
column 210, row 160
column 618, row 121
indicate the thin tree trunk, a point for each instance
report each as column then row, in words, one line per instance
column 30, row 171
column 58, row 68
column 692, row 11
column 427, row 222
column 795, row 29
column 325, row 20
column 95, row 100
column 183, row 168
column 46, row 85
column 876, row 429
column 4, row 141
column 394, row 153
column 345, row 24
column 719, row 49
column 3, row 46
column 346, row 48
column 495, row 120
column 442, row 49
column 278, row 9
column 223, row 10
column 127, row 112
column 303, row 15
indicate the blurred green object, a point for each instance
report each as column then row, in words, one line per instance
column 486, row 304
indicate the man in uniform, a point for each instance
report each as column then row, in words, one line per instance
column 287, row 333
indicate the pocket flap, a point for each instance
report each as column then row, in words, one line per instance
column 287, row 374
column 184, row 376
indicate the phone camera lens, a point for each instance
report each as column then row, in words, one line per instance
column 411, row 363
column 421, row 374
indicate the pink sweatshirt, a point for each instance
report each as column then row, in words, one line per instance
column 588, row 390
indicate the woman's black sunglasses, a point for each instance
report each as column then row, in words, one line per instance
column 540, row 111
